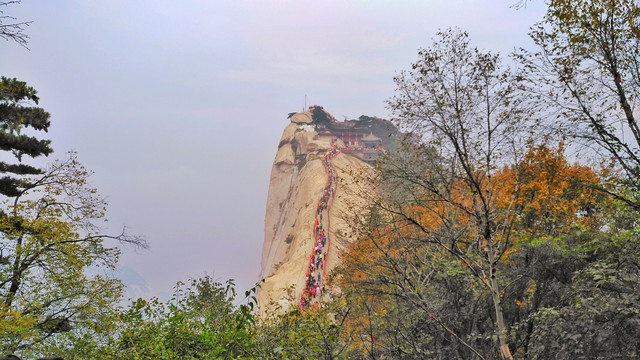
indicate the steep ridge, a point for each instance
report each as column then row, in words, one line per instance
column 312, row 196
column 315, row 287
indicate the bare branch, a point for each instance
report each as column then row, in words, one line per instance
column 11, row 29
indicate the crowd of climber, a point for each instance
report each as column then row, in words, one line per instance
column 316, row 278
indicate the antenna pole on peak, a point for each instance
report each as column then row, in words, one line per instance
column 305, row 103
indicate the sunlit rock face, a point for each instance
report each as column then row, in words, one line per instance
column 298, row 178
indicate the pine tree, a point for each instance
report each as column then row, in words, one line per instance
column 17, row 113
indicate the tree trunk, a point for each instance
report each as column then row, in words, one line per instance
column 502, row 329
column 16, row 274
column 494, row 287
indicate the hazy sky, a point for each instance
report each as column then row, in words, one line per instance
column 178, row 106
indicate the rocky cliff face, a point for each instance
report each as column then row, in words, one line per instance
column 298, row 178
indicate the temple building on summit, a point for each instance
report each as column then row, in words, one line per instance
column 354, row 134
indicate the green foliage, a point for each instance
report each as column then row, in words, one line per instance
column 315, row 333
column 200, row 321
column 14, row 118
column 577, row 301
column 49, row 241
